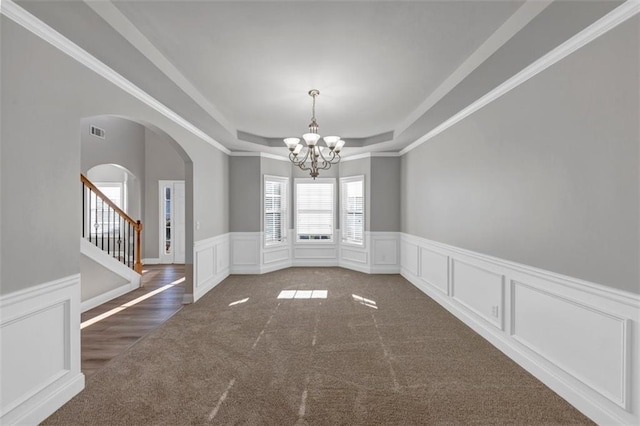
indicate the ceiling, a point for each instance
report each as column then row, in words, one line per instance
column 240, row 71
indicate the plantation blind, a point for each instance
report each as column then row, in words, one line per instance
column 275, row 209
column 314, row 211
column 352, row 209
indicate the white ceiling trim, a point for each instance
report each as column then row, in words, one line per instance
column 608, row 22
column 25, row 19
column 370, row 155
column 258, row 154
column 123, row 26
column 511, row 27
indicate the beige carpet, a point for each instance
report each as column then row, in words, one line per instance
column 395, row 358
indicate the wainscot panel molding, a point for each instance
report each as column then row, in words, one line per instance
column 245, row 252
column 580, row 338
column 210, row 264
column 276, row 257
column 40, row 350
column 380, row 253
column 385, row 252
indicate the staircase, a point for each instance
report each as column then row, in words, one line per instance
column 109, row 228
column 110, row 264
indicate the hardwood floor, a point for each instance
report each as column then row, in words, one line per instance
column 128, row 318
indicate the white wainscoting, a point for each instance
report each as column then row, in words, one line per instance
column 385, row 252
column 245, row 252
column 40, row 350
column 210, row 264
column 581, row 339
column 380, row 254
column 275, row 257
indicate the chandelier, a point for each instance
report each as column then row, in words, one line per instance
column 313, row 157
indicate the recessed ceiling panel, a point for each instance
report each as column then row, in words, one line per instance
column 373, row 62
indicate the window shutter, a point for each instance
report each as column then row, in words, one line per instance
column 352, row 194
column 314, row 211
column 275, row 210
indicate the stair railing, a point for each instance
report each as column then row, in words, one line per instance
column 109, row 228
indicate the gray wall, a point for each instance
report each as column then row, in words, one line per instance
column 547, row 175
column 123, row 145
column 45, row 96
column 210, row 193
column 385, row 194
column 245, row 180
column 162, row 162
column 96, row 279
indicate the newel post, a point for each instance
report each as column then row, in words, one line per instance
column 138, row 265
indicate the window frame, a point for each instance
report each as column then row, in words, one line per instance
column 284, row 210
column 343, row 211
column 331, row 181
column 94, row 210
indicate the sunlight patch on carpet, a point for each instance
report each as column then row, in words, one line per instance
column 237, row 302
column 303, row 294
column 121, row 308
column 366, row 302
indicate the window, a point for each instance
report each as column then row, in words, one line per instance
column 275, row 210
column 167, row 208
column 102, row 218
column 352, row 209
column 314, row 210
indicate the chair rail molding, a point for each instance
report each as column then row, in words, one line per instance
column 40, row 350
column 592, row 358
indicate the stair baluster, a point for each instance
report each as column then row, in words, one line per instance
column 126, row 248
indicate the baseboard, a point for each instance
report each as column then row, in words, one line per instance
column 151, row 261
column 246, row 270
column 514, row 306
column 40, row 410
column 40, row 334
column 110, row 295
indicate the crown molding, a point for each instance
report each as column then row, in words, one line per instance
column 370, row 155
column 29, row 22
column 516, row 22
column 257, row 154
column 123, row 26
column 608, row 22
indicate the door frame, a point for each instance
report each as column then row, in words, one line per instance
column 162, row 256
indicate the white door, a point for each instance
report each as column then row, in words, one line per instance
column 172, row 222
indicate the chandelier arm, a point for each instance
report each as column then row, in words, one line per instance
column 331, row 160
column 300, row 162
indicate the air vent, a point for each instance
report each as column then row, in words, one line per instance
column 96, row 131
